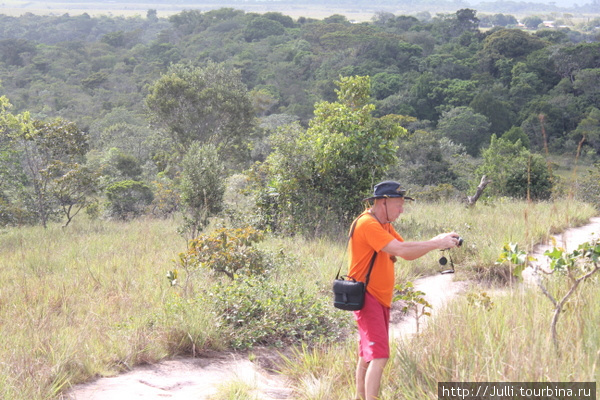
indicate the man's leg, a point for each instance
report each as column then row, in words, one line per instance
column 373, row 378
column 361, row 373
column 368, row 378
column 373, row 327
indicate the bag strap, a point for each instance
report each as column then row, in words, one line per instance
column 337, row 276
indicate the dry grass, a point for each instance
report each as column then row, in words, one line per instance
column 81, row 301
column 93, row 299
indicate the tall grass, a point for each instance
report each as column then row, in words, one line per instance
column 93, row 299
column 508, row 343
column 485, row 228
column 81, row 301
column 465, row 341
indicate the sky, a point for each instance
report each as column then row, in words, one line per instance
column 560, row 3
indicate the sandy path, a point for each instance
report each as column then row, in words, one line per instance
column 200, row 378
column 439, row 290
column 185, row 379
column 569, row 240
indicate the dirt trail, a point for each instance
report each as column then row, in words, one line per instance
column 439, row 290
column 185, row 379
column 569, row 240
column 200, row 378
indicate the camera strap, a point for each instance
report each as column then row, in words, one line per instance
column 337, row 276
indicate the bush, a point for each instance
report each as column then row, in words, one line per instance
column 265, row 312
column 253, row 305
column 226, row 251
column 202, row 186
column 515, row 171
column 588, row 188
column 128, row 199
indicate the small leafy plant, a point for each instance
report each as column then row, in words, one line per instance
column 253, row 305
column 577, row 266
column 229, row 252
column 480, row 299
column 413, row 301
column 515, row 258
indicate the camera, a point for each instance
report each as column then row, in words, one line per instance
column 460, row 241
column 443, row 260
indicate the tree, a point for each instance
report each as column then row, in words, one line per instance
column 495, row 109
column 13, row 180
column 532, row 22
column 421, row 100
column 466, row 19
column 515, row 172
column 202, row 186
column 128, row 199
column 588, row 130
column 465, row 126
column 341, row 155
column 260, row 27
column 50, row 151
column 152, row 15
column 12, row 50
column 515, row 134
column 524, row 85
column 503, row 20
column 569, row 59
column 450, row 93
column 546, row 120
column 207, row 104
column 385, row 84
column 454, row 25
column 511, row 45
column 75, row 190
column 423, row 161
column 284, row 20
column 587, row 82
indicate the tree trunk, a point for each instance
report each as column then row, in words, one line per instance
column 471, row 200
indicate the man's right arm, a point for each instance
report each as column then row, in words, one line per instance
column 414, row 250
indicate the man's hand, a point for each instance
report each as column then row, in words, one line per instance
column 447, row 240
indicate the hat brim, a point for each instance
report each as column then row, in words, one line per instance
column 388, row 196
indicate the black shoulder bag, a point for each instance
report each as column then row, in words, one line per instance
column 349, row 294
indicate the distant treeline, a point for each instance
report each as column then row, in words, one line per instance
column 443, row 74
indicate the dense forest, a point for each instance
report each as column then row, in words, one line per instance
column 123, row 117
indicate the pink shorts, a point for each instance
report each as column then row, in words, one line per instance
column 373, row 328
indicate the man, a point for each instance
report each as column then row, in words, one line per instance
column 373, row 232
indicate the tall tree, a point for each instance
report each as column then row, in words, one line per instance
column 466, row 127
column 207, row 104
column 341, row 155
column 49, row 151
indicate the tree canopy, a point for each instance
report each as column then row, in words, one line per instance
column 292, row 103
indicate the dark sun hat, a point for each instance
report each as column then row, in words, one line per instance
column 387, row 189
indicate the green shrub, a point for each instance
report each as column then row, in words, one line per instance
column 259, row 303
column 226, row 251
column 128, row 199
column 588, row 187
column 267, row 312
column 515, row 171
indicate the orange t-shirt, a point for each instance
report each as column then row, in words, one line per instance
column 369, row 236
